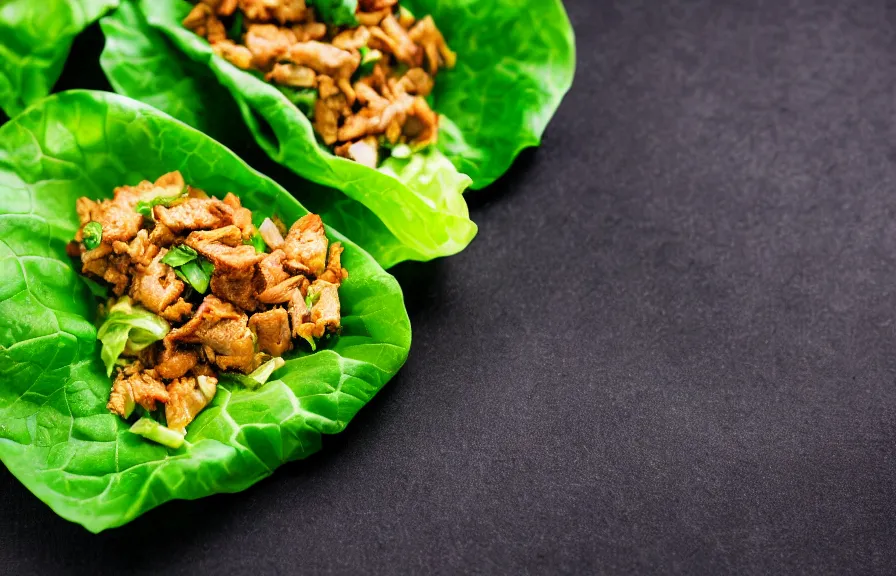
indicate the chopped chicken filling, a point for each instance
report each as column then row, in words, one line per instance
column 370, row 80
column 250, row 307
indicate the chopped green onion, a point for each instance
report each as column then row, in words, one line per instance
column 197, row 273
column 311, row 342
column 152, row 430
column 259, row 377
column 179, row 256
column 369, row 58
column 258, row 242
column 92, row 234
column 190, row 267
column 144, row 207
column 311, row 299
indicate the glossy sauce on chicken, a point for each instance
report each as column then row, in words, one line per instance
column 233, row 296
column 369, row 82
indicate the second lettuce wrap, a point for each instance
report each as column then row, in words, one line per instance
column 515, row 63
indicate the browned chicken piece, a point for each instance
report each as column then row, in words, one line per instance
column 117, row 217
column 203, row 21
column 156, row 286
column 268, row 43
column 437, row 52
column 325, row 313
column 177, row 311
column 197, row 19
column 310, row 31
column 242, row 217
column 326, row 87
column 352, row 39
column 221, row 329
column 284, row 11
column 374, row 5
column 222, row 7
column 194, row 214
column 288, row 11
column 335, row 273
column 416, row 81
column 174, row 362
column 225, row 249
column 119, row 222
column 292, row 75
column 372, row 18
column 282, row 292
column 188, row 396
column 345, row 85
column 326, row 122
column 299, row 314
column 162, row 236
column 134, row 385
column 422, row 125
column 203, row 369
column 378, row 81
column 197, row 193
column 236, row 54
column 401, row 44
column 239, row 287
column 101, row 262
column 365, row 152
column 367, row 123
column 325, row 59
column 306, row 246
column 140, row 250
column 370, row 97
column 271, row 269
column 272, row 330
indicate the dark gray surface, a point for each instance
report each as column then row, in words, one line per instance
column 671, row 348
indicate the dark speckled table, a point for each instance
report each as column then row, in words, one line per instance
column 671, row 348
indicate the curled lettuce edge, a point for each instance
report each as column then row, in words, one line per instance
column 35, row 39
column 56, row 435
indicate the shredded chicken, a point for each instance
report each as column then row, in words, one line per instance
column 272, row 331
column 306, row 246
column 188, row 397
column 156, row 286
column 249, row 308
column 134, row 385
column 370, row 79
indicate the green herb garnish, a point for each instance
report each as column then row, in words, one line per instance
column 190, row 267
column 92, row 235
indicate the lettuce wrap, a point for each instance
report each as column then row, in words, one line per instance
column 35, row 38
column 56, row 434
column 515, row 62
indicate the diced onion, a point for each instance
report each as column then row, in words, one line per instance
column 272, row 237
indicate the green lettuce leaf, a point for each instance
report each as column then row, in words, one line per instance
column 56, row 435
column 515, row 63
column 35, row 38
column 128, row 327
column 143, row 63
